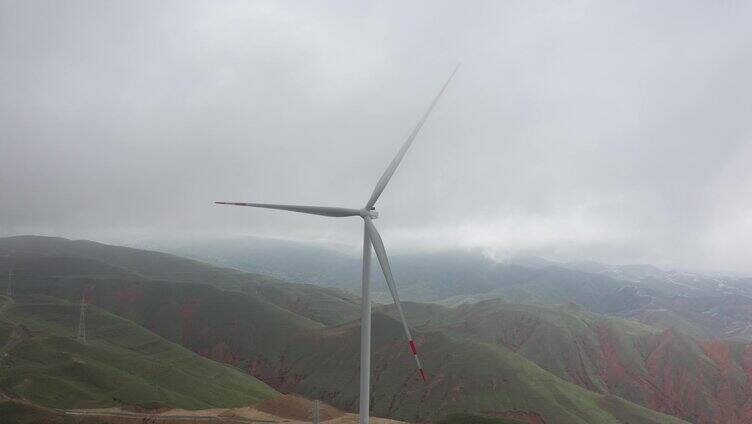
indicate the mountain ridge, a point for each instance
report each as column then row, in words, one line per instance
column 695, row 303
column 295, row 353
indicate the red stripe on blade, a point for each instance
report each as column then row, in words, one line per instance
column 423, row 374
column 412, row 347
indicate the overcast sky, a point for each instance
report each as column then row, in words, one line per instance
column 613, row 131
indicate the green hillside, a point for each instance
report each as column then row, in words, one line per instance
column 144, row 263
column 120, row 364
column 19, row 412
column 256, row 328
column 663, row 370
column 39, row 262
column 461, row 418
column 463, row 377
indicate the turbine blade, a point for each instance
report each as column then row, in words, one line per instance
column 314, row 210
column 378, row 247
column 384, row 180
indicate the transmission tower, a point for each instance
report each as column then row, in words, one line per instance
column 316, row 412
column 9, row 291
column 81, row 337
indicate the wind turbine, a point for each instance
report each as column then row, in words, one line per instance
column 371, row 237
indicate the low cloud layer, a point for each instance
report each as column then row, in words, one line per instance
column 614, row 131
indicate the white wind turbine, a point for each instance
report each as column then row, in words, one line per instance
column 370, row 237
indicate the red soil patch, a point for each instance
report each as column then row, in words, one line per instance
column 187, row 309
column 277, row 376
column 612, row 371
column 718, row 351
column 220, row 352
column 126, row 297
column 88, row 296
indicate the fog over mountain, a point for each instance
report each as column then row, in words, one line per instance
column 608, row 131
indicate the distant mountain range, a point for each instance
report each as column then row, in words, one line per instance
column 539, row 342
column 304, row 339
column 704, row 306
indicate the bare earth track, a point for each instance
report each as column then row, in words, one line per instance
column 287, row 409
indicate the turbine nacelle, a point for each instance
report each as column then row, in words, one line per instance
column 371, row 239
column 369, row 213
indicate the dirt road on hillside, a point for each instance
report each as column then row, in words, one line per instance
column 288, row 409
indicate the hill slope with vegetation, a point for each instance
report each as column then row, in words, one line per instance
column 120, row 363
column 664, row 370
column 294, row 347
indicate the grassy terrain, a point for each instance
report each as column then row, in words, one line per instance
column 463, row 377
column 15, row 412
column 476, row 419
column 663, row 370
column 39, row 262
column 121, row 363
column 280, row 333
column 564, row 340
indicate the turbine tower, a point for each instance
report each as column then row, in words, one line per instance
column 81, row 336
column 371, row 238
column 9, row 290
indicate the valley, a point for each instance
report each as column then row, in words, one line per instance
column 150, row 311
column 707, row 306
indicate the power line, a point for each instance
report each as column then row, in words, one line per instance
column 81, row 337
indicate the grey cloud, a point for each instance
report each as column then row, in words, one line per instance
column 614, row 131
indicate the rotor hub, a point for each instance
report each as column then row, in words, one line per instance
column 369, row 213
